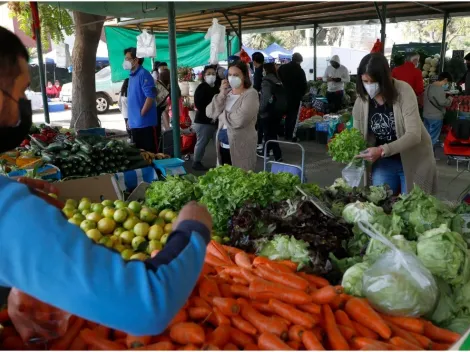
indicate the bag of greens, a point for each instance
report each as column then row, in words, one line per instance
column 398, row 283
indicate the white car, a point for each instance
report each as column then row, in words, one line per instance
column 107, row 91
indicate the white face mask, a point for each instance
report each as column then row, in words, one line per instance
column 372, row 89
column 155, row 75
column 126, row 65
column 210, row 80
column 235, row 82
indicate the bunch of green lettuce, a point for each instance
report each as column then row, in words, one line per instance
column 283, row 247
column 339, row 185
column 375, row 249
column 358, row 211
column 377, row 194
column 446, row 306
column 422, row 212
column 445, row 254
column 226, row 188
column 352, row 279
column 173, row 193
column 346, row 145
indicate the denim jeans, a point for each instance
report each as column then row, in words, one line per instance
column 434, row 129
column 389, row 171
column 204, row 134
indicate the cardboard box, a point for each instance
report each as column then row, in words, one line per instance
column 96, row 188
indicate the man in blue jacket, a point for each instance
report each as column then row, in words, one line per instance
column 52, row 260
column 142, row 109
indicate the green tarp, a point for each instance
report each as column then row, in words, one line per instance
column 192, row 49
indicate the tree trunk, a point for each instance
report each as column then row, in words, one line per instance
column 87, row 37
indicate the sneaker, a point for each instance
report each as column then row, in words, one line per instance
column 199, row 167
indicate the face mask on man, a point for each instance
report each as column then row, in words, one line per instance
column 235, row 82
column 372, row 89
column 445, row 86
column 11, row 137
column 127, row 65
column 210, row 80
column 334, row 64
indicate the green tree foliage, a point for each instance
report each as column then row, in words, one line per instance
column 55, row 21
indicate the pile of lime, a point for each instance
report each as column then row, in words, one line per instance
column 133, row 230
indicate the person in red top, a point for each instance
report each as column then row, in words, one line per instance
column 57, row 87
column 51, row 91
column 409, row 73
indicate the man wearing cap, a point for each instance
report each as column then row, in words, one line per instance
column 295, row 83
column 336, row 75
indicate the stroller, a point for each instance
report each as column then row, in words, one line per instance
column 457, row 143
column 188, row 137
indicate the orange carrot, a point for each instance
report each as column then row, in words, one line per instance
column 251, row 347
column 362, row 331
column 270, row 342
column 243, row 325
column 337, row 303
column 276, row 266
column 225, row 290
column 295, row 332
column 158, row 346
column 364, row 342
column 282, row 320
column 137, row 341
column 264, row 308
column 295, row 345
column 311, row 342
column 290, row 264
column 230, row 347
column 213, row 260
column 319, row 333
column 218, row 251
column 220, row 317
column 261, row 260
column 240, row 339
column 66, row 340
column 440, row 335
column 289, row 279
column 362, row 312
column 342, row 319
column 184, row 333
column 424, row 342
column 199, row 302
column 397, row 331
column 440, row 346
column 240, row 273
column 160, row 338
column 207, row 269
column 99, row 343
column 220, row 336
column 335, row 338
column 294, row 315
column 228, row 306
column 102, row 331
column 180, row 317
column 121, row 342
column 117, row 334
column 262, row 289
column 199, row 313
column 403, row 344
column 311, row 308
column 325, row 294
column 243, row 261
column 262, row 322
column 4, row 317
column 189, row 347
column 317, row 281
column 240, row 291
column 347, row 332
column 408, row 323
column 231, row 250
column 78, row 344
column 240, row 281
column 208, row 289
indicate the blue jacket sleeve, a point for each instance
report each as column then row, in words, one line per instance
column 148, row 85
column 44, row 255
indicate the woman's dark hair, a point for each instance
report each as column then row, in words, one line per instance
column 133, row 52
column 270, row 68
column 376, row 66
column 445, row 75
column 217, row 78
column 244, row 68
column 164, row 76
column 155, row 65
column 124, row 87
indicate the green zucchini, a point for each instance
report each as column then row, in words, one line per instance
column 55, row 147
column 84, row 156
column 41, row 145
column 84, row 145
column 48, row 157
column 64, row 153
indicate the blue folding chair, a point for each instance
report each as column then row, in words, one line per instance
column 277, row 167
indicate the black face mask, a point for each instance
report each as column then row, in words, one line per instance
column 334, row 64
column 11, row 137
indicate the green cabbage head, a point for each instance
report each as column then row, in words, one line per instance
column 352, row 279
column 358, row 211
column 376, row 248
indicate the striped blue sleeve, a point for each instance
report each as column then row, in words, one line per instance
column 47, row 257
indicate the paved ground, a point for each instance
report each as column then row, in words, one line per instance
column 318, row 166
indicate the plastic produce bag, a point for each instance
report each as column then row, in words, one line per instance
column 353, row 173
column 36, row 322
column 398, row 283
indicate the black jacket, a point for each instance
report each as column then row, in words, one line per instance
column 266, row 94
column 258, row 78
column 294, row 81
column 203, row 97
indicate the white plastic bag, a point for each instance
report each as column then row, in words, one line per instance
column 353, row 173
column 398, row 283
column 216, row 34
column 146, row 45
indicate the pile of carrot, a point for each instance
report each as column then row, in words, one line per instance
column 244, row 302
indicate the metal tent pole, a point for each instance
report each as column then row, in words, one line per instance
column 42, row 78
column 444, row 38
column 383, row 34
column 315, row 27
column 174, row 80
column 240, row 44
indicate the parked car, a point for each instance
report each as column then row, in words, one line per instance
column 107, row 91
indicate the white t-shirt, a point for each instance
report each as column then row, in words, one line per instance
column 231, row 99
column 340, row 72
